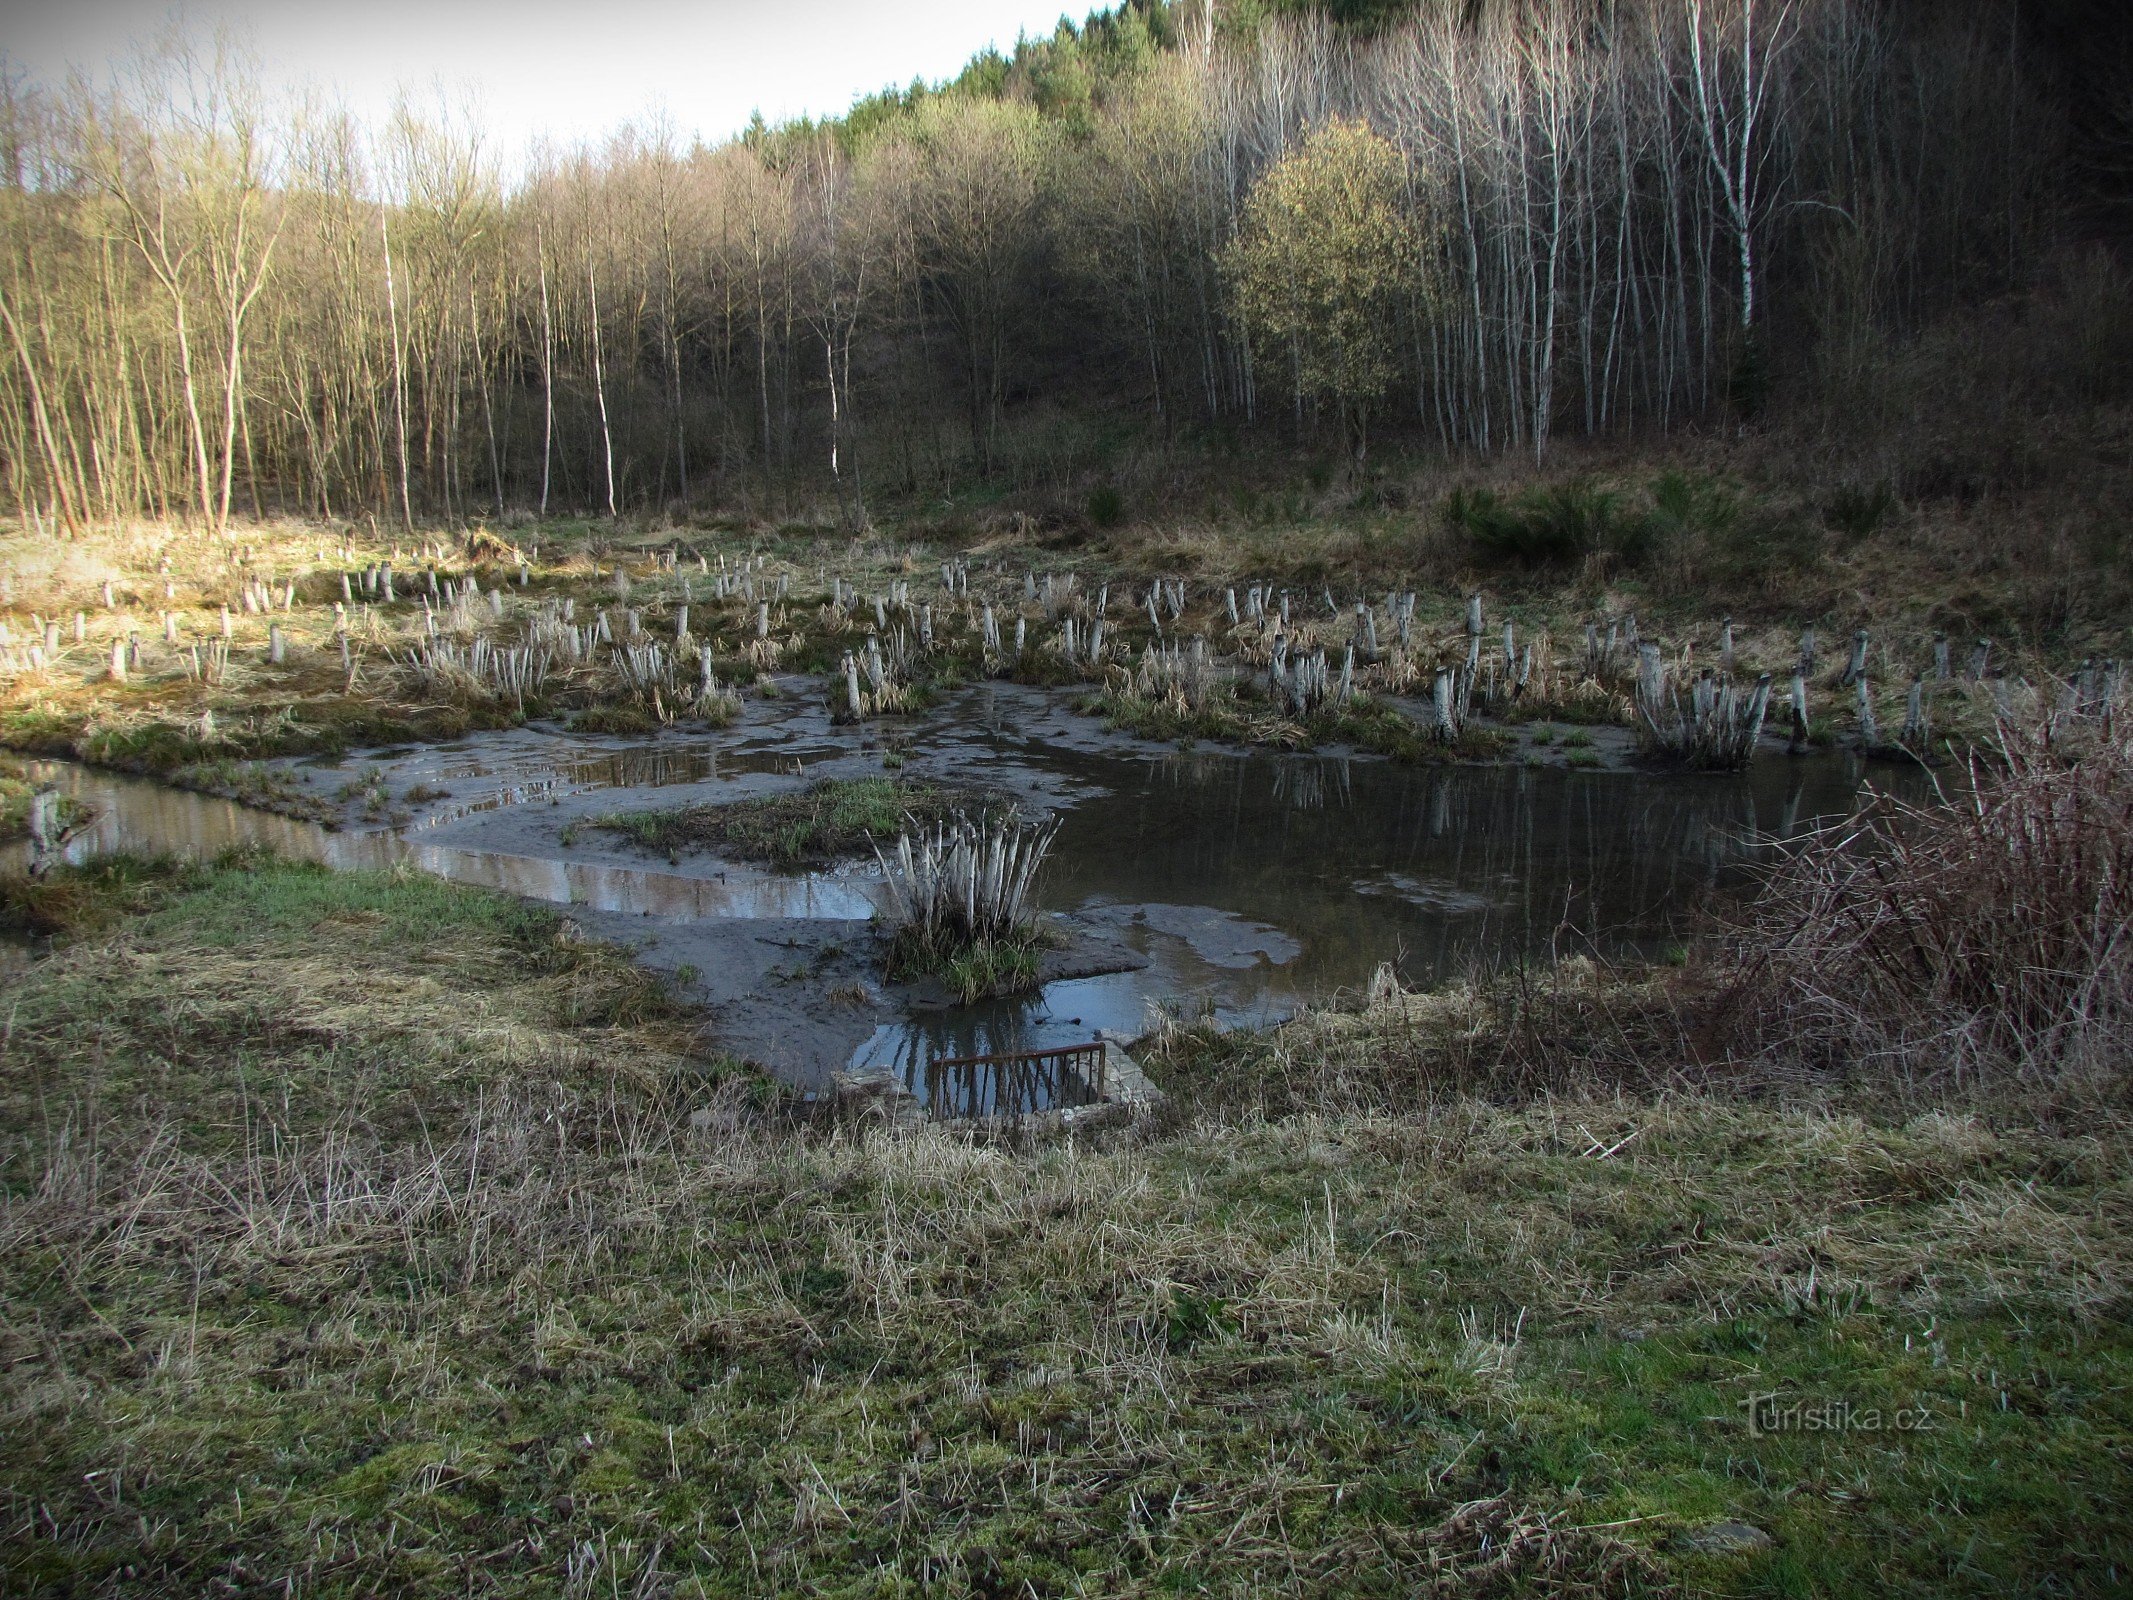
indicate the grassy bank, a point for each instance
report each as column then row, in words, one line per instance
column 825, row 822
column 360, row 1231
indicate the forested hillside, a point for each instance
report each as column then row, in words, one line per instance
column 1534, row 221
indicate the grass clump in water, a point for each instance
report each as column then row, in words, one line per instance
column 619, row 718
column 253, row 783
column 960, row 908
column 981, row 969
column 827, row 821
column 1223, row 714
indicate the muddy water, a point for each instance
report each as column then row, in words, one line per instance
column 1237, row 885
column 133, row 815
column 1257, row 883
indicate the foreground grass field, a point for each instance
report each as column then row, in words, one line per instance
column 364, row 1234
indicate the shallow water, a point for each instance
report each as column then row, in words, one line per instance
column 1258, row 883
column 1250, row 883
column 137, row 816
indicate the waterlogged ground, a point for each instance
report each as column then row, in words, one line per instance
column 1203, row 881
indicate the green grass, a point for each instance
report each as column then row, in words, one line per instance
column 367, row 1236
column 367, row 1233
column 170, row 749
column 982, row 969
column 1226, row 717
column 825, row 822
column 992, row 967
column 254, row 783
column 87, row 899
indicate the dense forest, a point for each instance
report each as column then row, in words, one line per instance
column 1481, row 226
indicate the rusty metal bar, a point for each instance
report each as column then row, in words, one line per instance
column 1060, row 1052
column 1014, row 1077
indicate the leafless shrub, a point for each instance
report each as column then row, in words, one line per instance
column 873, row 680
column 1963, row 940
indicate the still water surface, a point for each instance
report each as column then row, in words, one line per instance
column 1251, row 883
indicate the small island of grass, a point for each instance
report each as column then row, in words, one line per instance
column 825, row 822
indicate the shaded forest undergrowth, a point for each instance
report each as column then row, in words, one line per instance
column 361, row 1226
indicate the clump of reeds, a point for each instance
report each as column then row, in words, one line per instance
column 715, row 702
column 1060, row 594
column 1530, row 673
column 554, row 629
column 482, row 669
column 1304, row 683
column 1611, row 656
column 1085, row 646
column 872, row 681
column 1184, row 676
column 654, row 676
column 964, row 891
column 646, row 672
column 1450, row 702
column 1983, row 934
column 1717, row 727
column 1395, row 672
column 208, row 663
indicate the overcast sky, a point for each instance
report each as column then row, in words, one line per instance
column 565, row 69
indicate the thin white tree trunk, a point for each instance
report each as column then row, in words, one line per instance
column 392, row 313
column 607, row 438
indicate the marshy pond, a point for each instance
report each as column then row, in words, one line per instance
column 1201, row 881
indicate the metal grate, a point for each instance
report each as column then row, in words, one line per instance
column 1014, row 1083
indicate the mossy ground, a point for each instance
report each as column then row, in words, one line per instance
column 827, row 821
column 367, row 1234
column 979, row 969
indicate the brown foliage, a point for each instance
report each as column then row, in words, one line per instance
column 1970, row 939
